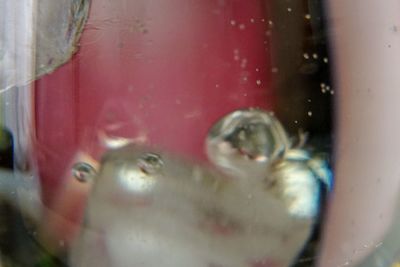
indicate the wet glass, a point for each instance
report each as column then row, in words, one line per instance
column 193, row 133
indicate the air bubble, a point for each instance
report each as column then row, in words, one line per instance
column 83, row 171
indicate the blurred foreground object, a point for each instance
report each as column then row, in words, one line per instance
column 148, row 207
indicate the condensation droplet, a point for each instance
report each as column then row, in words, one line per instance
column 233, row 22
column 315, row 56
column 83, row 171
column 246, row 137
column 252, row 20
column 325, row 59
column 309, row 113
column 150, row 163
column 258, row 82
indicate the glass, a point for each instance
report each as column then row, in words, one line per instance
column 194, row 133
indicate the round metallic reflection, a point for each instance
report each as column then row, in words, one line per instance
column 244, row 136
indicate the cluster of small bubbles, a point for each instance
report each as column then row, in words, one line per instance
column 307, row 16
column 326, row 89
column 83, row 171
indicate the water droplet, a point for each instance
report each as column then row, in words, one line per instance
column 315, row 56
column 309, row 113
column 233, row 22
column 252, row 20
column 325, row 60
column 245, row 137
column 150, row 163
column 140, row 176
column 83, row 171
column 258, row 82
column 257, row 69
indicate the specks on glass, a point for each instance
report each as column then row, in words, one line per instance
column 150, row 163
column 83, row 171
column 243, row 63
